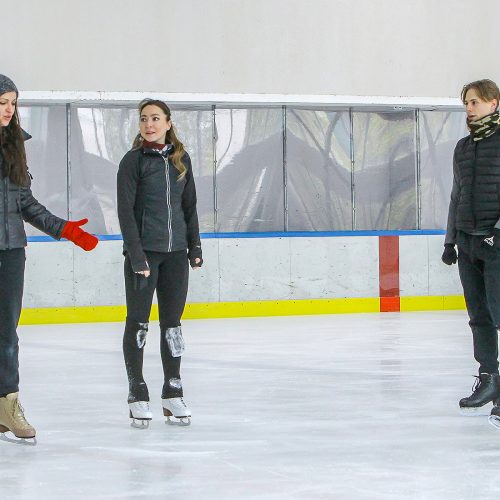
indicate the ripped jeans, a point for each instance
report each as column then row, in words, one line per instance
column 169, row 278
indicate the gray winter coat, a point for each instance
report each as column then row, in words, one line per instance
column 17, row 203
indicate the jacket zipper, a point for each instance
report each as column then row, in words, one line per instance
column 169, row 205
column 474, row 187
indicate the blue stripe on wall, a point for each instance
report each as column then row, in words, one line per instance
column 278, row 234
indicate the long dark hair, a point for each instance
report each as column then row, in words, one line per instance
column 171, row 138
column 13, row 152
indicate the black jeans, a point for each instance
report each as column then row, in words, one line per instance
column 169, row 277
column 479, row 268
column 11, row 295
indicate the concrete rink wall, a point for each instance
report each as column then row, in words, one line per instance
column 324, row 274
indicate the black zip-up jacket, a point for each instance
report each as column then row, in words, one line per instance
column 18, row 204
column 156, row 211
column 475, row 197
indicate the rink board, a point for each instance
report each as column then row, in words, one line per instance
column 258, row 276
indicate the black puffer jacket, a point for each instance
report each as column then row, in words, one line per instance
column 18, row 203
column 475, row 197
column 156, row 211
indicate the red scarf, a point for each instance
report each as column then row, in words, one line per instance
column 152, row 145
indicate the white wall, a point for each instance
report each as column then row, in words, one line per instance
column 247, row 269
column 344, row 47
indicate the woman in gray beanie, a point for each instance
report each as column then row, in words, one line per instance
column 17, row 204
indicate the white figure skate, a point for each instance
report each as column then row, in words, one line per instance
column 176, row 411
column 494, row 418
column 140, row 414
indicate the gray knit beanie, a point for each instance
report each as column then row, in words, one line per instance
column 7, row 85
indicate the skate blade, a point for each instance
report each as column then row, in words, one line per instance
column 179, row 421
column 139, row 423
column 15, row 440
column 494, row 421
column 481, row 411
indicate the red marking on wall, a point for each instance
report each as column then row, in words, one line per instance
column 388, row 247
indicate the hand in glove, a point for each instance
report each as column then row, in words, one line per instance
column 449, row 256
column 195, row 258
column 79, row 237
column 493, row 240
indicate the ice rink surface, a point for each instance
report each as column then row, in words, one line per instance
column 319, row 407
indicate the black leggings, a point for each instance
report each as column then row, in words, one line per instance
column 169, row 277
column 11, row 296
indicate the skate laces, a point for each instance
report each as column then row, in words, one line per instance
column 142, row 405
column 476, row 383
column 181, row 402
column 18, row 411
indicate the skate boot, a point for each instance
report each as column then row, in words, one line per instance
column 176, row 411
column 12, row 418
column 485, row 389
column 140, row 414
column 494, row 418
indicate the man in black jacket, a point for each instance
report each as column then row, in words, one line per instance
column 474, row 226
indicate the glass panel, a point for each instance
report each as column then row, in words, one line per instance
column 249, row 169
column 100, row 136
column 439, row 133
column 47, row 157
column 318, row 159
column 384, row 174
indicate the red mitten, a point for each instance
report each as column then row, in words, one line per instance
column 72, row 232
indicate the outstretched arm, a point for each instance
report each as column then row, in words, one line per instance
column 38, row 216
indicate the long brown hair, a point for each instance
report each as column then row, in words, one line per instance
column 13, row 152
column 171, row 137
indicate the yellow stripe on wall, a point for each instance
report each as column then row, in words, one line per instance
column 280, row 308
column 444, row 303
column 99, row 314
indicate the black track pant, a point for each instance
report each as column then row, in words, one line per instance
column 479, row 267
column 169, row 277
column 11, row 296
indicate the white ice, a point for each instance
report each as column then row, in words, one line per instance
column 318, row 407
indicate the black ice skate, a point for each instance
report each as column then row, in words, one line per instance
column 140, row 414
column 494, row 418
column 485, row 389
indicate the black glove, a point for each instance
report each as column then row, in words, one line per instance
column 193, row 254
column 493, row 239
column 449, row 256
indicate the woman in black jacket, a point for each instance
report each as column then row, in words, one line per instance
column 17, row 204
column 158, row 219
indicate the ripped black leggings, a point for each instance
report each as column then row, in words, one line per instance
column 169, row 277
